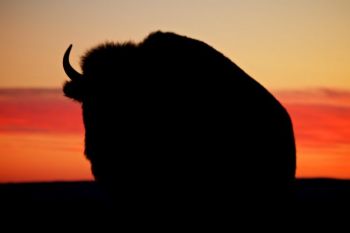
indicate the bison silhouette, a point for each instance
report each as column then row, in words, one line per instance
column 172, row 123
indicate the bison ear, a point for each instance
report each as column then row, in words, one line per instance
column 74, row 90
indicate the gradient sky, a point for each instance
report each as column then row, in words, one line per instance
column 297, row 49
column 282, row 43
column 41, row 134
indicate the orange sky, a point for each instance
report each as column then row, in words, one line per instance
column 41, row 134
column 281, row 43
column 321, row 119
column 41, row 137
column 299, row 49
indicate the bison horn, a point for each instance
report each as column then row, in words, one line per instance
column 70, row 71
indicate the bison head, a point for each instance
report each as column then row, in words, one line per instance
column 170, row 118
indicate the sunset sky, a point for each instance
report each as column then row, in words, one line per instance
column 299, row 50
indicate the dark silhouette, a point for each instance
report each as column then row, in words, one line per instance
column 84, row 203
column 172, row 124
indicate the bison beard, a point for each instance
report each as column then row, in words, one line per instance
column 171, row 123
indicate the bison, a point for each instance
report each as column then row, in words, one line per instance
column 172, row 123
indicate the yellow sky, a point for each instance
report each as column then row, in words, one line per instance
column 281, row 43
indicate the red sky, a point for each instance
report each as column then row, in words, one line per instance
column 284, row 45
column 321, row 119
column 41, row 137
column 41, row 134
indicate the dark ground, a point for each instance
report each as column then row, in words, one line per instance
column 324, row 197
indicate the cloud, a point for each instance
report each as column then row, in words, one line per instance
column 321, row 117
column 38, row 110
column 321, row 120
